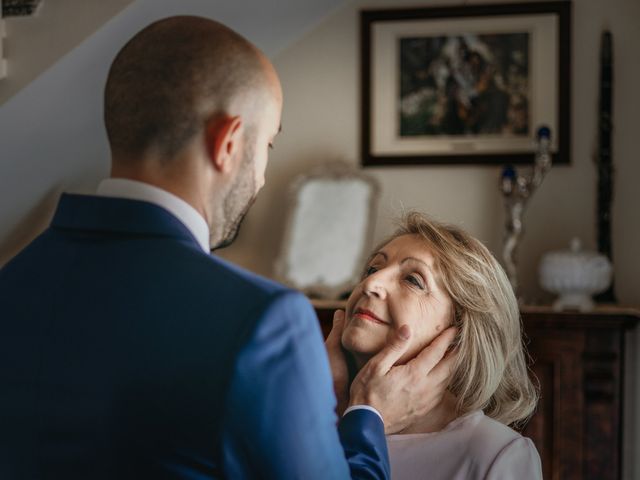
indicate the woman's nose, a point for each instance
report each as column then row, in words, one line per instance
column 373, row 285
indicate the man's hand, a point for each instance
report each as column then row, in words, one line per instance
column 338, row 362
column 404, row 393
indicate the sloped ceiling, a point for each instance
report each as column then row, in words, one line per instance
column 51, row 132
column 37, row 41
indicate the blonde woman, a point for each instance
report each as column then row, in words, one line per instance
column 430, row 276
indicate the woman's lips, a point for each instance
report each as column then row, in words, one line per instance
column 365, row 314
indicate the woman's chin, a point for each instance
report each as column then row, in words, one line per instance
column 354, row 344
column 361, row 351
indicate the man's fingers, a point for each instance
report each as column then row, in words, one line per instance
column 335, row 336
column 429, row 357
column 392, row 352
column 443, row 370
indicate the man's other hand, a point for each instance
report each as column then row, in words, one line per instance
column 404, row 393
column 338, row 362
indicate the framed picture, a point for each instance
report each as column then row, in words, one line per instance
column 465, row 84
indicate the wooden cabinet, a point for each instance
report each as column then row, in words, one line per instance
column 578, row 358
column 579, row 361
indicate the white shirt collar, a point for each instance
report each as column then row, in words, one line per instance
column 134, row 190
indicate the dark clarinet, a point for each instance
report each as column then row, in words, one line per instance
column 604, row 160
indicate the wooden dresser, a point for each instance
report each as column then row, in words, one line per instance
column 578, row 359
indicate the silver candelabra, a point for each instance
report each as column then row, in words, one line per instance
column 516, row 190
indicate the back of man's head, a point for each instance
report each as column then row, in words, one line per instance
column 169, row 79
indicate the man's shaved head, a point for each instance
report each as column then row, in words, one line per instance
column 173, row 76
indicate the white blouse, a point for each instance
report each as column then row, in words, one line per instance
column 473, row 446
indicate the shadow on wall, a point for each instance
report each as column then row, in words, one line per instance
column 31, row 225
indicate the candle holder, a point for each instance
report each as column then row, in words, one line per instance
column 517, row 189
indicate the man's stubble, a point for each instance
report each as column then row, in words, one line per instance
column 239, row 200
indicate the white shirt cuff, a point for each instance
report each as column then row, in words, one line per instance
column 363, row 407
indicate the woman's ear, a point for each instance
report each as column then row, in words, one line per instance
column 223, row 136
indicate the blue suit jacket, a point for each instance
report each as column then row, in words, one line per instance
column 127, row 352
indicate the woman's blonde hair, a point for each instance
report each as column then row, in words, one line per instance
column 490, row 372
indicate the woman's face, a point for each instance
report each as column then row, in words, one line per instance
column 398, row 287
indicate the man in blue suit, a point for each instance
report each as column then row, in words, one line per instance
column 128, row 351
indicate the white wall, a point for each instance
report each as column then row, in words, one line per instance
column 320, row 76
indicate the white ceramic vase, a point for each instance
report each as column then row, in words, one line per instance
column 575, row 275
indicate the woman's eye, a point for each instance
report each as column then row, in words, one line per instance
column 370, row 271
column 415, row 281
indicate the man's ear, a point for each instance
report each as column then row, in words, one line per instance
column 223, row 136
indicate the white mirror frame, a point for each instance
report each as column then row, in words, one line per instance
column 328, row 231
